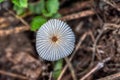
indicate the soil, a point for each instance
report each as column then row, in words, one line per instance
column 98, row 35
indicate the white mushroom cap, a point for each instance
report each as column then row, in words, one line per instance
column 55, row 40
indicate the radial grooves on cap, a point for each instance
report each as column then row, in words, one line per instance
column 62, row 47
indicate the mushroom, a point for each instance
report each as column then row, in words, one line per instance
column 54, row 40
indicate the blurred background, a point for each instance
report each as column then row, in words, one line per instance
column 96, row 24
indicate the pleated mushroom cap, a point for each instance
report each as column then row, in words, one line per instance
column 54, row 40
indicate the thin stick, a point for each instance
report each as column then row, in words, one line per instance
column 71, row 68
column 106, row 26
column 50, row 76
column 112, row 4
column 77, row 6
column 14, row 30
column 99, row 35
column 115, row 76
column 13, row 75
column 76, row 48
column 96, row 68
column 111, row 26
column 95, row 44
column 78, row 15
column 21, row 19
column 27, row 27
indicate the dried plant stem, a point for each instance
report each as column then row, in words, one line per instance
column 95, row 44
column 27, row 26
column 21, row 19
column 50, row 76
column 78, row 15
column 111, row 3
column 14, row 30
column 77, row 6
column 70, row 59
column 115, row 76
column 13, row 75
column 71, row 68
column 96, row 68
column 111, row 26
column 106, row 26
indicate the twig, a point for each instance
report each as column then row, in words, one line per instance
column 111, row 26
column 95, row 44
column 14, row 30
column 27, row 27
column 112, row 3
column 21, row 19
column 13, row 75
column 96, row 68
column 100, row 33
column 78, row 15
column 50, row 76
column 106, row 26
column 71, row 68
column 76, row 48
column 75, row 7
column 3, row 23
column 26, row 14
column 115, row 76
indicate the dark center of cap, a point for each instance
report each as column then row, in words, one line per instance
column 54, row 38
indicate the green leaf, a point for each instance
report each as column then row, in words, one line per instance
column 20, row 3
column 37, row 7
column 57, row 68
column 57, row 15
column 52, row 7
column 16, row 2
column 37, row 22
column 23, row 3
column 1, row 1
column 46, row 14
column 19, row 10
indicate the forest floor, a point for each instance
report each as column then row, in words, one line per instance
column 96, row 56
